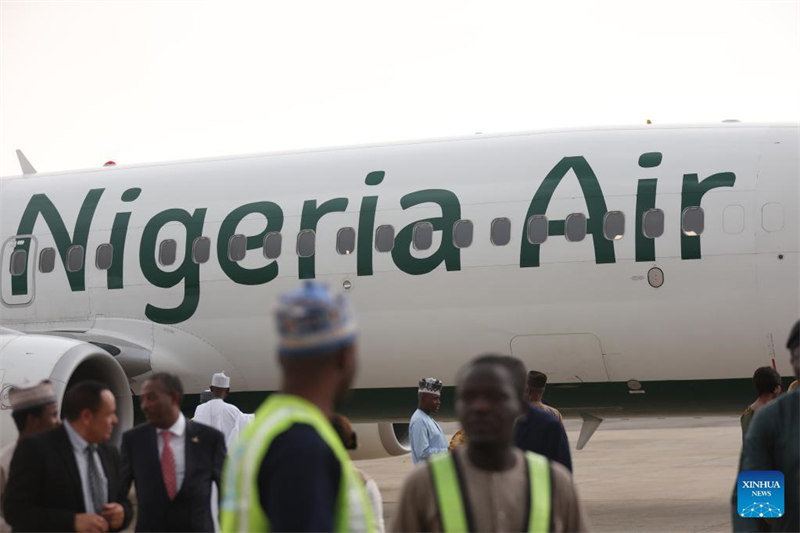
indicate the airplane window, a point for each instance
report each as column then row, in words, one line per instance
column 104, row 256
column 653, row 223
column 19, row 259
column 306, row 240
column 772, row 217
column 167, row 251
column 47, row 260
column 346, row 241
column 201, row 250
column 462, row 233
column 500, row 233
column 614, row 225
column 74, row 258
column 537, row 229
column 384, row 238
column 272, row 245
column 575, row 227
column 237, row 247
column 693, row 221
column 423, row 235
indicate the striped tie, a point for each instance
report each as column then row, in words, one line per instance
column 168, row 466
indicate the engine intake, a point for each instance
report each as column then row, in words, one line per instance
column 27, row 359
column 382, row 439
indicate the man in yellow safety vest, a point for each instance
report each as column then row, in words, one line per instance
column 289, row 471
column 488, row 484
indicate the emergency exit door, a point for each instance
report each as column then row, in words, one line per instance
column 17, row 270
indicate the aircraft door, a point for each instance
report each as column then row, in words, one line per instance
column 775, row 225
column 565, row 358
column 17, row 270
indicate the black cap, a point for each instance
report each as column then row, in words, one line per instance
column 536, row 379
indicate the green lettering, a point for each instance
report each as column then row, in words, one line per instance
column 237, row 273
column 447, row 252
column 308, row 221
column 119, row 232
column 366, row 225
column 188, row 272
column 40, row 204
column 691, row 195
column 645, row 200
column 595, row 203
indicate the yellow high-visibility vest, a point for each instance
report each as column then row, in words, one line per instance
column 451, row 502
column 241, row 508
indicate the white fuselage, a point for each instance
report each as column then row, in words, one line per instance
column 581, row 315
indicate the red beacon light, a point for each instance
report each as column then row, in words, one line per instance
column 110, row 164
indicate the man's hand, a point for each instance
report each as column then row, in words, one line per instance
column 90, row 523
column 115, row 514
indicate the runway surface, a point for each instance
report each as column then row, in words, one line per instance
column 638, row 474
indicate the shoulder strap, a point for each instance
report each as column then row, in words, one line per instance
column 448, row 493
column 540, row 493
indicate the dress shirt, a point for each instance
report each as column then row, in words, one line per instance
column 79, row 446
column 178, row 445
column 427, row 438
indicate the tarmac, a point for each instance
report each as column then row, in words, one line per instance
column 637, row 474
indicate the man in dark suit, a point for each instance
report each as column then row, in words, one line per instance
column 173, row 462
column 540, row 430
column 68, row 479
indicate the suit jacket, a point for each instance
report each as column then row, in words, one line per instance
column 541, row 432
column 191, row 508
column 44, row 491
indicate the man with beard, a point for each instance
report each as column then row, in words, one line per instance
column 426, row 436
column 289, row 470
column 489, row 484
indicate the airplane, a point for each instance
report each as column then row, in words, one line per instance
column 646, row 269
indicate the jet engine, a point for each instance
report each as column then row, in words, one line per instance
column 27, row 359
column 381, row 439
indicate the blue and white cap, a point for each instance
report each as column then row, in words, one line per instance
column 312, row 321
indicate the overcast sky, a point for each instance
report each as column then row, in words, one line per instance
column 85, row 82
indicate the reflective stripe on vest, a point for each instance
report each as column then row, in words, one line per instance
column 451, row 502
column 241, row 508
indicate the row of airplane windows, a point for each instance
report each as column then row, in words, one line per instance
column 692, row 223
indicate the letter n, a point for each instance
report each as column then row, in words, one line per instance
column 40, row 204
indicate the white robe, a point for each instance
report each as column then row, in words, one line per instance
column 222, row 416
column 230, row 421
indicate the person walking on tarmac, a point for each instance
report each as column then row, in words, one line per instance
column 220, row 414
column 488, row 484
column 289, row 470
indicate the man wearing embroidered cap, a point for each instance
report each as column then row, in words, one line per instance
column 218, row 413
column 289, row 471
column 34, row 410
column 426, row 436
column 68, row 478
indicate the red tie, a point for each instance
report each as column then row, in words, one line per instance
column 168, row 466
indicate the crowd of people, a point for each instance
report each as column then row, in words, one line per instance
column 286, row 467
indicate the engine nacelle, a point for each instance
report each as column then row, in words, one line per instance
column 28, row 359
column 381, row 439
